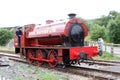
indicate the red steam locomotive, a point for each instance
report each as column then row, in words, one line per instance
column 56, row 43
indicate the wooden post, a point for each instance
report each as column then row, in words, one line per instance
column 112, row 49
column 105, row 47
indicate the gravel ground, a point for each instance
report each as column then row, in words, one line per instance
column 20, row 71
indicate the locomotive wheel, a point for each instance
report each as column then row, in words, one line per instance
column 40, row 55
column 30, row 55
column 52, row 55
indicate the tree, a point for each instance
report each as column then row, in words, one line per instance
column 103, row 20
column 5, row 36
column 112, row 14
column 97, row 31
column 113, row 30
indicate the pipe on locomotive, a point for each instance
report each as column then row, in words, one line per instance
column 72, row 15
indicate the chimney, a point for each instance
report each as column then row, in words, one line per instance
column 72, row 15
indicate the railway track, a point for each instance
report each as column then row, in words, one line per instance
column 100, row 62
column 9, row 55
column 103, row 63
column 108, row 61
column 97, row 62
column 98, row 74
column 7, row 51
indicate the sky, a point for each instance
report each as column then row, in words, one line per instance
column 22, row 12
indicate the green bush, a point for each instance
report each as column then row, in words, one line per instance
column 6, row 35
column 97, row 31
column 113, row 30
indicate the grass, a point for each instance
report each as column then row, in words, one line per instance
column 6, row 49
column 48, row 76
column 107, row 56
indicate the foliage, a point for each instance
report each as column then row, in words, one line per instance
column 107, row 56
column 113, row 14
column 103, row 20
column 88, row 24
column 6, row 35
column 113, row 30
column 110, row 27
column 97, row 31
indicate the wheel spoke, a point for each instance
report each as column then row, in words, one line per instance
column 40, row 55
column 52, row 55
column 30, row 55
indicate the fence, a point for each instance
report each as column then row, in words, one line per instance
column 109, row 47
column 112, row 48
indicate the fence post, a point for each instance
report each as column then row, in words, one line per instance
column 105, row 47
column 112, row 49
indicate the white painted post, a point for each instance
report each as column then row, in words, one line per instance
column 112, row 49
